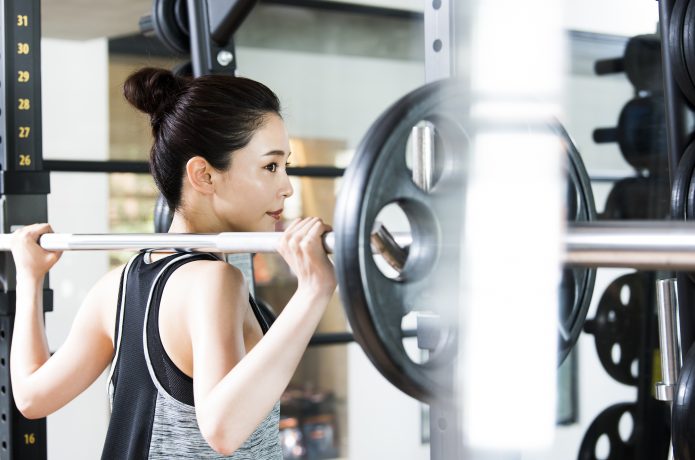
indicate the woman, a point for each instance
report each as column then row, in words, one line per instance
column 195, row 373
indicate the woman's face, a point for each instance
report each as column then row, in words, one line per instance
column 256, row 184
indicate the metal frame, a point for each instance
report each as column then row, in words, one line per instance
column 142, row 167
column 439, row 42
column 23, row 190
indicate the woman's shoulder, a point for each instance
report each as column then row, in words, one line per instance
column 212, row 272
column 210, row 282
column 109, row 283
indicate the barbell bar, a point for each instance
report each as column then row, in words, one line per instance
column 636, row 244
column 228, row 242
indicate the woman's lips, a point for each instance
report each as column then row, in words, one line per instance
column 275, row 214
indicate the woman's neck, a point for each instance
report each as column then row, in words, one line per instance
column 180, row 224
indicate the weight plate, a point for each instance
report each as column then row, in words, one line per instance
column 643, row 63
column 676, row 50
column 683, row 410
column 165, row 17
column 183, row 69
column 689, row 40
column 607, row 427
column 181, row 16
column 617, row 326
column 642, row 133
column 162, row 215
column 681, row 183
column 638, row 198
column 573, row 315
column 681, row 189
column 378, row 176
column 690, row 201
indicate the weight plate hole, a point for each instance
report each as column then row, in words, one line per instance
column 424, row 155
column 389, row 257
column 615, row 353
column 625, row 427
column 603, row 447
column 634, row 368
column 412, row 345
column 625, row 295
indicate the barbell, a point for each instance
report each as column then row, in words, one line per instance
column 647, row 245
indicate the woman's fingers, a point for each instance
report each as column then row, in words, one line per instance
column 297, row 233
column 29, row 256
column 316, row 232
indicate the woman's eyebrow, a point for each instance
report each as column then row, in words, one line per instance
column 276, row 153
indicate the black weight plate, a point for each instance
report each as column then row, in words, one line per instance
column 183, row 69
column 164, row 18
column 675, row 47
column 571, row 318
column 642, row 133
column 689, row 40
column 681, row 198
column 618, row 324
column 181, row 16
column 683, row 410
column 690, row 201
column 377, row 176
column 681, row 183
column 607, row 423
column 638, row 198
column 162, row 215
column 643, row 63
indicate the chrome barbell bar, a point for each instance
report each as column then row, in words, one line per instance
column 636, row 244
column 228, row 242
column 648, row 245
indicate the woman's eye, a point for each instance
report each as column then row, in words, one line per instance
column 272, row 167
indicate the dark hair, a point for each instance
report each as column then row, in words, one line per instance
column 209, row 116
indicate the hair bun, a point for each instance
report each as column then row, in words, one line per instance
column 152, row 90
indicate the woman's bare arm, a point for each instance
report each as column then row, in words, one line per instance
column 230, row 404
column 42, row 383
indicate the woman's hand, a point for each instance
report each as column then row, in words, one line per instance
column 302, row 248
column 31, row 260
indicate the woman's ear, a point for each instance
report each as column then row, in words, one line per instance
column 199, row 174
